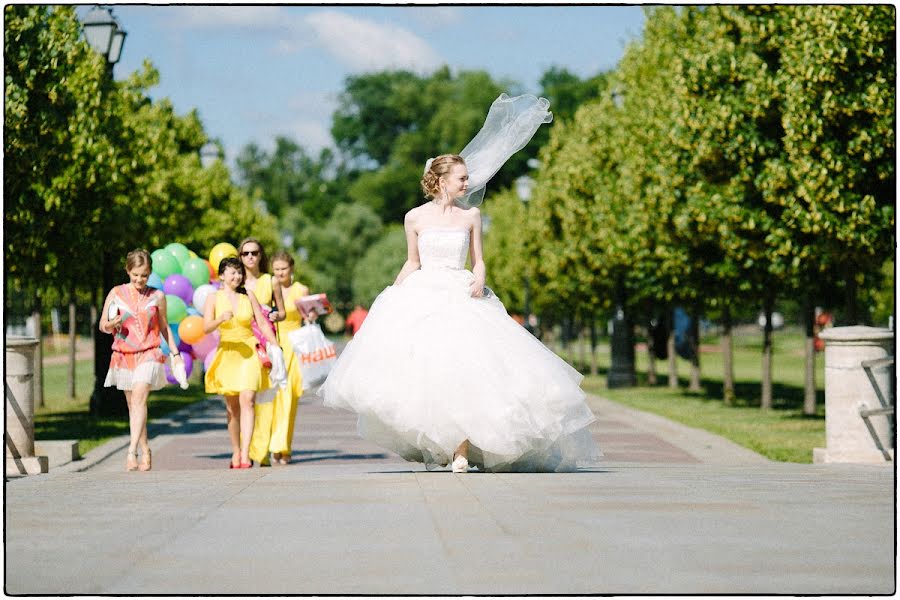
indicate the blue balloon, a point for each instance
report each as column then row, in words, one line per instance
column 193, row 311
column 155, row 281
column 164, row 345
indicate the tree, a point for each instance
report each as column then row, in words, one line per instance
column 388, row 124
column 378, row 267
column 336, row 247
column 504, row 248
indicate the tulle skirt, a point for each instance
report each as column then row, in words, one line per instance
column 432, row 367
column 127, row 370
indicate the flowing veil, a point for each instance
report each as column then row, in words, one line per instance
column 509, row 126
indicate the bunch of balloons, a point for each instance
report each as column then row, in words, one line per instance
column 187, row 280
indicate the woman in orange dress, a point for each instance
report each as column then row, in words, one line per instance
column 136, row 315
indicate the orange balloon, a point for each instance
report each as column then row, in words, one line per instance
column 190, row 330
column 212, row 274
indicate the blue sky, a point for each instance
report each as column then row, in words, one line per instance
column 254, row 72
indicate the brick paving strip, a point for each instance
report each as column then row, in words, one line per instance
column 195, row 438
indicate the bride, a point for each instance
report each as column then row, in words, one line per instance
column 439, row 373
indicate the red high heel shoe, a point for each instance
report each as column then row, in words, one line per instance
column 245, row 465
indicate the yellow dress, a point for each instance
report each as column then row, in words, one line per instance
column 235, row 367
column 284, row 407
column 274, row 424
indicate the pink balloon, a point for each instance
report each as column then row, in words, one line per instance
column 208, row 361
column 206, row 344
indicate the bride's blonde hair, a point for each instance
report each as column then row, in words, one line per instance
column 436, row 168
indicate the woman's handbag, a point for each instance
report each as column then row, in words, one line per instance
column 261, row 340
column 315, row 354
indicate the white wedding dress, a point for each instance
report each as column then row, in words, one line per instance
column 433, row 366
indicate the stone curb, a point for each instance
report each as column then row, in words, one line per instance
column 707, row 447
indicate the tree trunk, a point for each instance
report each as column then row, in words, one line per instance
column 851, row 305
column 727, row 358
column 695, row 361
column 582, row 351
column 809, row 385
column 651, row 354
column 593, row 333
column 73, row 342
column 670, row 350
column 766, row 396
column 621, row 365
column 105, row 401
column 38, row 357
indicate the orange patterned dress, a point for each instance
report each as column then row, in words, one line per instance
column 137, row 356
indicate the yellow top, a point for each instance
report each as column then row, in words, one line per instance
column 237, row 328
column 262, row 289
column 293, row 320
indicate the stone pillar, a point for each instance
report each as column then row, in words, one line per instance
column 19, row 435
column 848, row 389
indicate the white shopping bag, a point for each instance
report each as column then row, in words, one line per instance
column 314, row 352
column 177, row 368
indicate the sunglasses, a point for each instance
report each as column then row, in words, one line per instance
column 250, row 253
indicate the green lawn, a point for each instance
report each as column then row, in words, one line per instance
column 782, row 433
column 63, row 418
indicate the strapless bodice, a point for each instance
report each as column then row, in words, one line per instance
column 443, row 248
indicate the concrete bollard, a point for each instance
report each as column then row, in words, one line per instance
column 19, row 435
column 848, row 389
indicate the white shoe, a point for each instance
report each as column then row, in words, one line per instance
column 460, row 464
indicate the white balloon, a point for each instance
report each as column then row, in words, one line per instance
column 200, row 295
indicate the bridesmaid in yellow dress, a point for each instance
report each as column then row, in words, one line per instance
column 260, row 282
column 236, row 371
column 284, row 407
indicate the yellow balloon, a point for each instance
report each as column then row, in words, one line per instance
column 192, row 254
column 219, row 252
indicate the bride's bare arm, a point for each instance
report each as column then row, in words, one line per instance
column 412, row 249
column 475, row 253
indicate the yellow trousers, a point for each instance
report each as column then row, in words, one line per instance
column 273, row 429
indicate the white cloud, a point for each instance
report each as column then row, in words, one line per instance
column 435, row 17
column 246, row 18
column 364, row 45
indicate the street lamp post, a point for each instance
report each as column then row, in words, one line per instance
column 104, row 35
column 210, row 154
column 621, row 370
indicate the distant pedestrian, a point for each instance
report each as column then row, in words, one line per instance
column 136, row 316
column 236, row 371
column 355, row 319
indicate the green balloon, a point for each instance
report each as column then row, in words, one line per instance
column 164, row 263
column 196, row 271
column 180, row 252
column 176, row 309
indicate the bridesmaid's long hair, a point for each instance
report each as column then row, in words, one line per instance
column 233, row 261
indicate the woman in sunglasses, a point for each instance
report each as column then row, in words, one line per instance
column 266, row 289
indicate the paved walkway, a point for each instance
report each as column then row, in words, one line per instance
column 671, row 510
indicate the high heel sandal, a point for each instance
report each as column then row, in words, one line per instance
column 131, row 463
column 147, row 464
